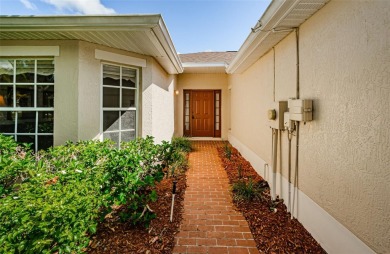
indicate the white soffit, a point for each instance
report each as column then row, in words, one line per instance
column 276, row 23
column 142, row 34
column 204, row 67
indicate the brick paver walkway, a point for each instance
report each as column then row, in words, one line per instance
column 210, row 223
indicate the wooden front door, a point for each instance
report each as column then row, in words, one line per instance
column 202, row 109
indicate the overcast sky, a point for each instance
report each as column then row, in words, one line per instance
column 194, row 25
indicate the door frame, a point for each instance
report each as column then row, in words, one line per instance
column 188, row 133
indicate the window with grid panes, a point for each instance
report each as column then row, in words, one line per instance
column 27, row 101
column 119, row 103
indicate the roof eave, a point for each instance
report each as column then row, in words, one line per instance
column 268, row 32
column 158, row 35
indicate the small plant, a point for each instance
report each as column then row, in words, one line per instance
column 181, row 144
column 248, row 190
column 239, row 169
column 227, row 150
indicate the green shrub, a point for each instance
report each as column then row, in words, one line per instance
column 182, row 144
column 15, row 161
column 55, row 203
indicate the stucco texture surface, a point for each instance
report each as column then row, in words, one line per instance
column 344, row 154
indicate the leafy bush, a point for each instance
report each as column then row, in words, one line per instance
column 182, row 144
column 14, row 159
column 52, row 202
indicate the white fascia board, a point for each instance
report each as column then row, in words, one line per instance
column 164, row 39
column 266, row 26
column 267, row 34
column 29, row 50
column 117, row 58
column 78, row 23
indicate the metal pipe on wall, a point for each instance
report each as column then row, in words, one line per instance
column 275, row 133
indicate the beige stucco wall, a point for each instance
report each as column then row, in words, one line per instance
column 344, row 154
column 66, row 87
column 77, row 92
column 198, row 81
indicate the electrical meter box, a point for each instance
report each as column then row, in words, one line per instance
column 300, row 110
column 276, row 115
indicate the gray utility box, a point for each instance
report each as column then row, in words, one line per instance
column 276, row 115
column 300, row 110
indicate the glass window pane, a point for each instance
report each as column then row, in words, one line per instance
column 7, row 122
column 187, row 104
column 128, row 98
column 6, row 71
column 110, row 120
column 217, row 126
column 187, row 119
column 128, row 120
column 187, row 126
column 127, row 136
column 25, row 71
column 217, row 111
column 6, row 96
column 217, row 96
column 114, row 136
column 111, row 75
column 128, row 77
column 45, row 96
column 187, row 111
column 45, row 122
column 45, row 71
column 26, row 121
column 45, row 141
column 110, row 97
column 25, row 96
column 217, row 119
column 187, row 96
column 28, row 139
column 217, row 104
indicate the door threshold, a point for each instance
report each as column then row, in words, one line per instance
column 204, row 139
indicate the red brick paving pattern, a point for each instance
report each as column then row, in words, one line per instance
column 210, row 222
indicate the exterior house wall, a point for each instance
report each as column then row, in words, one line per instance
column 77, row 92
column 66, row 72
column 163, row 87
column 343, row 191
column 217, row 81
column 89, row 88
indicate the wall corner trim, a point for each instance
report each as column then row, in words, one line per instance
column 113, row 57
column 29, row 50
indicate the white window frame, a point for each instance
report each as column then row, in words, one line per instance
column 35, row 109
column 120, row 108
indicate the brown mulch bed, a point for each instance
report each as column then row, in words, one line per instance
column 114, row 236
column 273, row 229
